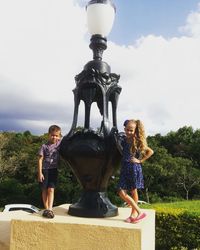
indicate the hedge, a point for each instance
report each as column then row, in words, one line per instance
column 177, row 229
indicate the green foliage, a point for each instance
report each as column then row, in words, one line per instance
column 185, row 142
column 33, row 194
column 192, row 206
column 172, row 173
column 176, row 229
column 10, row 190
column 177, row 225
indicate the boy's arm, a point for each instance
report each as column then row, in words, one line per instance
column 40, row 175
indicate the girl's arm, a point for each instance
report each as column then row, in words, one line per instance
column 148, row 154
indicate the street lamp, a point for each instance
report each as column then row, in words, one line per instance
column 100, row 18
column 93, row 155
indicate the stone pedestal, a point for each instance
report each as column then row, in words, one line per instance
column 31, row 231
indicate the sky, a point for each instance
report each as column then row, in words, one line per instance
column 154, row 46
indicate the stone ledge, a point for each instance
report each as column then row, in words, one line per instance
column 19, row 231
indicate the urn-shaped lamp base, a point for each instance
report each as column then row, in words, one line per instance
column 94, row 205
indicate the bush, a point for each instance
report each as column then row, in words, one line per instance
column 34, row 194
column 11, row 191
column 177, row 229
column 155, row 198
column 172, row 199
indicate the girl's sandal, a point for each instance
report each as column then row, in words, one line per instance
column 130, row 220
column 140, row 217
column 48, row 214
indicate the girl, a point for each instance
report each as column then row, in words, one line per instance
column 134, row 152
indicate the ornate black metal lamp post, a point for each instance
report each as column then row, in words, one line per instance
column 93, row 155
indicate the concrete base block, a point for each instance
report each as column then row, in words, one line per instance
column 65, row 232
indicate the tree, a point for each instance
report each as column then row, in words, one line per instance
column 188, row 177
column 172, row 172
column 6, row 163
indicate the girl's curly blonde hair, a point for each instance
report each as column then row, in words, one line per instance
column 139, row 140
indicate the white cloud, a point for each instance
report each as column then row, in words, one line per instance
column 42, row 48
column 41, row 44
column 192, row 26
column 160, row 81
column 44, row 44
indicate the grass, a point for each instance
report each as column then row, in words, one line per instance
column 191, row 206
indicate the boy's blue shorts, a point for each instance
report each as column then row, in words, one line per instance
column 50, row 178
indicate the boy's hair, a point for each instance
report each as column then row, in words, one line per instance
column 54, row 128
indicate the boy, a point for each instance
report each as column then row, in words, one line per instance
column 47, row 168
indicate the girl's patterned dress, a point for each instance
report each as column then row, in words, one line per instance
column 131, row 176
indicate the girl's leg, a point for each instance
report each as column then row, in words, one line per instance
column 134, row 194
column 130, row 201
column 50, row 194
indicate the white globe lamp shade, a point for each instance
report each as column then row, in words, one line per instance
column 100, row 17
